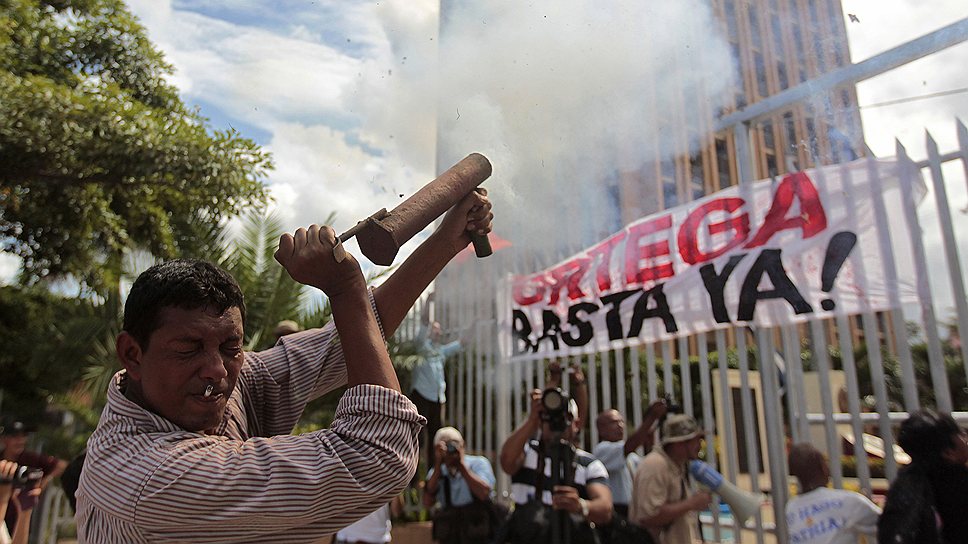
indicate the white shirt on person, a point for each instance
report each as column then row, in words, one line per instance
column 373, row 528
column 588, row 470
column 831, row 516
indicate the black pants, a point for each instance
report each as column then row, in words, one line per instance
column 433, row 411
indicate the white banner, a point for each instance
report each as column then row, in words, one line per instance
column 768, row 253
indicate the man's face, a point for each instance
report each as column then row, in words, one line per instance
column 190, row 350
column 567, row 434
column 611, row 426
column 454, row 450
column 694, row 445
column 13, row 446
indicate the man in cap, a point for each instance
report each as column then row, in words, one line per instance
column 662, row 499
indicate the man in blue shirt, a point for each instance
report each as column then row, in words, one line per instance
column 428, row 383
column 456, row 479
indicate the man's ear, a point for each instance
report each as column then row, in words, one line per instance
column 129, row 354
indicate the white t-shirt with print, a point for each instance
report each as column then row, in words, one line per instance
column 831, row 516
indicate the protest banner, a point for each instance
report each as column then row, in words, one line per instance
column 767, row 253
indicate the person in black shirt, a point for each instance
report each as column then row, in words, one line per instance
column 928, row 502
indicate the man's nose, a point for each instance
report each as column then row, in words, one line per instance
column 213, row 368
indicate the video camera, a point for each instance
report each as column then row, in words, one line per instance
column 25, row 477
column 554, row 404
column 451, row 446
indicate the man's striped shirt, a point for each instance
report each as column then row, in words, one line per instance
column 147, row 480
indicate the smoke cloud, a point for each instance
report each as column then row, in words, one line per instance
column 565, row 97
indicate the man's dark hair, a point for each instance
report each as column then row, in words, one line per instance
column 925, row 434
column 182, row 283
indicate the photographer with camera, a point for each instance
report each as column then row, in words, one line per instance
column 460, row 485
column 560, row 492
column 13, row 441
column 19, row 491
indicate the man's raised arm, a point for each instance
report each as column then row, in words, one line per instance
column 308, row 257
column 397, row 294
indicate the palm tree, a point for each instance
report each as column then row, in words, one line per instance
column 270, row 294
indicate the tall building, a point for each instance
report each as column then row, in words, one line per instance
column 777, row 44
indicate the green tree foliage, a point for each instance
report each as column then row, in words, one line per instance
column 97, row 151
column 46, row 338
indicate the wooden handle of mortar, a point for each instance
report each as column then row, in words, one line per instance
column 482, row 246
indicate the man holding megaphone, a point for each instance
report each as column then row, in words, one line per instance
column 662, row 499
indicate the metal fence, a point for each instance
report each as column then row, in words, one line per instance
column 843, row 383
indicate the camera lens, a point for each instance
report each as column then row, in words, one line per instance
column 553, row 400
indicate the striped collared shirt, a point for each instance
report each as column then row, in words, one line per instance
column 147, row 480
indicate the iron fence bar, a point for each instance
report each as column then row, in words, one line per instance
column 775, row 437
column 822, row 360
column 939, row 378
column 889, row 269
column 949, row 244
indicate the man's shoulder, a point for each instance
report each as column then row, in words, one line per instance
column 477, row 461
column 826, row 495
column 584, row 458
column 607, row 446
column 593, row 467
column 654, row 465
column 654, row 457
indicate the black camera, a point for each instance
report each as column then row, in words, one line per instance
column 25, row 477
column 672, row 407
column 451, row 447
column 554, row 403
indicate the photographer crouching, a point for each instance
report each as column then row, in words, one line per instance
column 460, row 485
column 560, row 492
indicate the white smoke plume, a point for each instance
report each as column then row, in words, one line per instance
column 565, row 96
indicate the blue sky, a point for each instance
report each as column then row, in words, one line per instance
column 345, row 93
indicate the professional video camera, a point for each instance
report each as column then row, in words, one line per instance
column 554, row 403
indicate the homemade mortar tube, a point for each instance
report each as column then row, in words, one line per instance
column 381, row 235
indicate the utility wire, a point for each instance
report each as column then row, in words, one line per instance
column 914, row 98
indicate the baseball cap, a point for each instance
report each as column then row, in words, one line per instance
column 679, row 428
column 14, row 428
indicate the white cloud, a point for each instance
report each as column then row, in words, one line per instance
column 886, row 24
column 883, row 25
